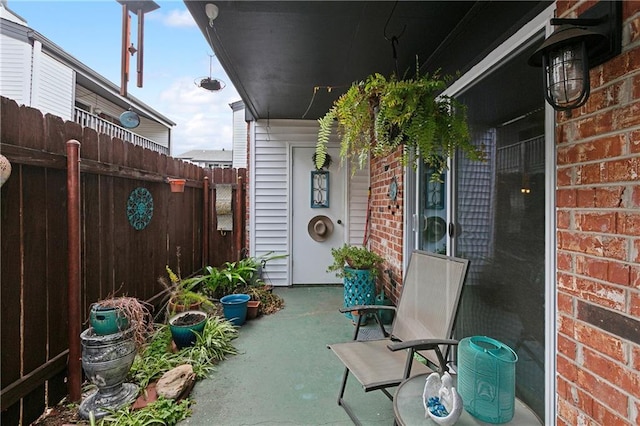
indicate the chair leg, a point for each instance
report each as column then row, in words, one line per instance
column 345, row 376
column 342, row 402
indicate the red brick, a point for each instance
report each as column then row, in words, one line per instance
column 596, row 222
column 630, row 8
column 563, row 219
column 567, row 347
column 566, row 326
column 614, row 373
column 566, row 368
column 620, row 170
column 590, row 267
column 590, row 173
column 585, row 197
column 564, row 176
column 635, row 358
column 567, row 413
column 564, row 262
column 598, row 245
column 626, row 116
column 604, row 416
column 634, row 276
column 567, row 283
column 634, row 303
column 600, row 341
column 606, row 147
column 608, row 196
column 636, row 251
column 618, row 273
column 603, row 294
column 602, row 391
column 565, row 304
column 634, row 138
column 566, row 198
column 629, row 224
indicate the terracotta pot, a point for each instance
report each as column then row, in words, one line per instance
column 177, row 185
column 252, row 309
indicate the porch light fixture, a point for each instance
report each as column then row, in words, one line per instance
column 212, row 12
column 571, row 50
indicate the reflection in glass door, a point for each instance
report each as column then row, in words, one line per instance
column 500, row 220
column 433, row 212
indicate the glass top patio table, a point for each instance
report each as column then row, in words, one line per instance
column 408, row 408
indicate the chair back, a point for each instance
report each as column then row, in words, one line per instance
column 430, row 297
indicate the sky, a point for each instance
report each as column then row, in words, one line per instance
column 176, row 54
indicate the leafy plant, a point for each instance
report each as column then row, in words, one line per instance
column 379, row 115
column 179, row 293
column 355, row 257
column 212, row 345
column 163, row 411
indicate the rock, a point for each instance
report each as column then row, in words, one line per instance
column 176, row 383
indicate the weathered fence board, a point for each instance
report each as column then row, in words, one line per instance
column 115, row 257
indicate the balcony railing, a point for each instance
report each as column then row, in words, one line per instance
column 86, row 119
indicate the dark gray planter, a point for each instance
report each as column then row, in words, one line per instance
column 106, row 360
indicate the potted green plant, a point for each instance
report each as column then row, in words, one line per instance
column 359, row 268
column 180, row 294
column 379, row 115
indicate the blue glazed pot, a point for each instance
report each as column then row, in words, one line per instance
column 235, row 307
column 107, row 321
column 184, row 335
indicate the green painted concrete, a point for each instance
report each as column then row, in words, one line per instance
column 284, row 374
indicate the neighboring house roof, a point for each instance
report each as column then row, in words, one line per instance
column 207, row 155
column 85, row 76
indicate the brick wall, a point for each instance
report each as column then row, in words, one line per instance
column 598, row 231
column 386, row 222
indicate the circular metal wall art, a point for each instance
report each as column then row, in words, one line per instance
column 140, row 208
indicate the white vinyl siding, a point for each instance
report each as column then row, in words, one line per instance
column 239, row 139
column 271, row 187
column 357, row 199
column 15, row 69
column 53, row 88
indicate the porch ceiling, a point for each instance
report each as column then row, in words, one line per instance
column 276, row 53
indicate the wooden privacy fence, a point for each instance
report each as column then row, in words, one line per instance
column 130, row 226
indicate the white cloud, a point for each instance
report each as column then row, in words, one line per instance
column 205, row 119
column 174, row 18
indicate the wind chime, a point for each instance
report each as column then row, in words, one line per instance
column 139, row 8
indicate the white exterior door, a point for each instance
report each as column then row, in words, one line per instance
column 310, row 258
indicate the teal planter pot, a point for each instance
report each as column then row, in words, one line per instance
column 235, row 307
column 185, row 325
column 107, row 321
column 359, row 288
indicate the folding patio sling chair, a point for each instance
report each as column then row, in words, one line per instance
column 423, row 324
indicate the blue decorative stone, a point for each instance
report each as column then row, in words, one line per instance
column 140, row 208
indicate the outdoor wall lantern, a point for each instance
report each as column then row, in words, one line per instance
column 571, row 50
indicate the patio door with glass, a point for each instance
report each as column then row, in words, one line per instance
column 498, row 210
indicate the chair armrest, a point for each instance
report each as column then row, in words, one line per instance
column 361, row 308
column 420, row 345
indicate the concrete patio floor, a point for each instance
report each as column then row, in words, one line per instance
column 284, row 374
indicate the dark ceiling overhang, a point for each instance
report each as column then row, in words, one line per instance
column 283, row 56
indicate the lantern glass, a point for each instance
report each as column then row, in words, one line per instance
column 567, row 76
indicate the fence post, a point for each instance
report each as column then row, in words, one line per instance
column 73, row 221
column 205, row 222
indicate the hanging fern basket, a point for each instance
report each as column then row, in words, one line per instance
column 378, row 116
